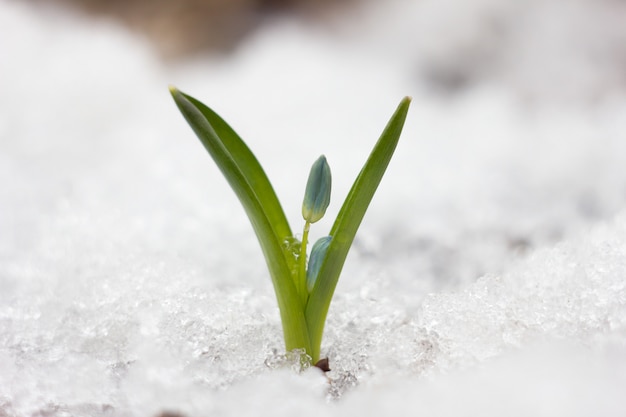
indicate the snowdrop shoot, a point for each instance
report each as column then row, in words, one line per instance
column 303, row 293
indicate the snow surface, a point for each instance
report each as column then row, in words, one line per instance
column 488, row 278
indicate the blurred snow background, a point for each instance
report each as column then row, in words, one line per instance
column 489, row 276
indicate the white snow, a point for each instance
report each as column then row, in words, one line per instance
column 489, row 275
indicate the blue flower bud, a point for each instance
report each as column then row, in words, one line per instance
column 317, row 194
column 318, row 253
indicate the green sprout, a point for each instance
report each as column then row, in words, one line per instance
column 303, row 292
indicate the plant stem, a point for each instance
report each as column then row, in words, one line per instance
column 301, row 284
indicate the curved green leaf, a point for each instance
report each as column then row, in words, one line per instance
column 347, row 223
column 249, row 182
column 249, row 166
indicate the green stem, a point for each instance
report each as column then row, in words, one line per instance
column 301, row 284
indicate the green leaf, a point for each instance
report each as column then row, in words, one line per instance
column 247, row 163
column 347, row 223
column 249, row 182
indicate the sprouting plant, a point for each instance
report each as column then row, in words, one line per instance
column 304, row 292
